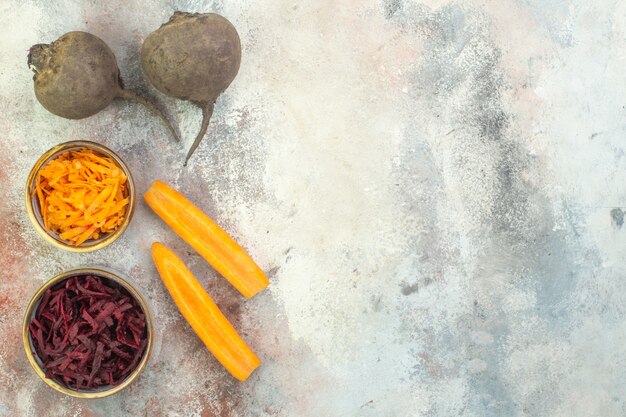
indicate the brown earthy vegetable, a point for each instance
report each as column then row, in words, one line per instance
column 195, row 57
column 76, row 76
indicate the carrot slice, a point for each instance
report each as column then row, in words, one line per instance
column 207, row 238
column 204, row 316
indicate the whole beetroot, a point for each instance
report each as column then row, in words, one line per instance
column 195, row 57
column 76, row 76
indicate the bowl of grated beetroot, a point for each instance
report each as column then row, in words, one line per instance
column 87, row 333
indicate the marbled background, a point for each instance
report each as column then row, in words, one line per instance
column 435, row 187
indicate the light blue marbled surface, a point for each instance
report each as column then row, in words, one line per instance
column 435, row 187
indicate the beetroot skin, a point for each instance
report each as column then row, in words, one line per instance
column 88, row 332
column 195, row 57
column 77, row 76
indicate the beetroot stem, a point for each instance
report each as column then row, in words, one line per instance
column 131, row 95
column 207, row 112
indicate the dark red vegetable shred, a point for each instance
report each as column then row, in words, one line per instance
column 88, row 332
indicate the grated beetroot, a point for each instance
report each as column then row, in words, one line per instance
column 89, row 332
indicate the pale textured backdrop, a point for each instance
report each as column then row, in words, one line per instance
column 435, row 187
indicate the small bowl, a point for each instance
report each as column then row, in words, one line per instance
column 34, row 211
column 36, row 362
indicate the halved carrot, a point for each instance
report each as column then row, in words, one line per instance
column 207, row 238
column 203, row 315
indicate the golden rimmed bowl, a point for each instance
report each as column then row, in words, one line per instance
column 36, row 362
column 34, row 210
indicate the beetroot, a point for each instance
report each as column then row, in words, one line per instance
column 77, row 76
column 195, row 57
column 88, row 332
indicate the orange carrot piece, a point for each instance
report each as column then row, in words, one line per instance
column 204, row 316
column 73, row 233
column 207, row 238
column 82, row 238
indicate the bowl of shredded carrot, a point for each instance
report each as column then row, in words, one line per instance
column 80, row 196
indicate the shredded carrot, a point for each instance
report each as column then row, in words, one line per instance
column 82, row 195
